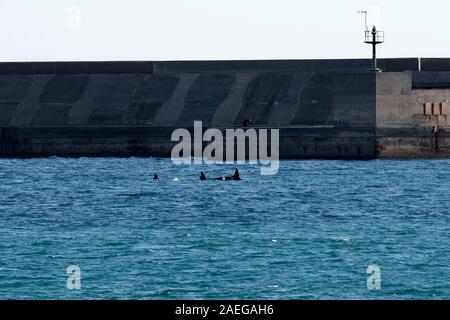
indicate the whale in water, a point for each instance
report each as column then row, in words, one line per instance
column 234, row 177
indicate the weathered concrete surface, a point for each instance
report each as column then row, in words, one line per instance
column 295, row 143
column 403, row 129
column 323, row 108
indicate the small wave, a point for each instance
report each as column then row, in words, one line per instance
column 140, row 194
column 343, row 239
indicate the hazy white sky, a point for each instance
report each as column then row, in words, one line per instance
column 41, row 30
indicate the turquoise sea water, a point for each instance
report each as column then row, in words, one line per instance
column 309, row 232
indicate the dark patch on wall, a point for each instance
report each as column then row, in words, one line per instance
column 112, row 100
column 263, row 93
column 204, row 96
column 142, row 113
column 150, row 95
column 398, row 65
column 316, row 101
column 108, row 114
column 321, row 65
column 431, row 80
column 354, row 84
column 117, row 89
column 77, row 67
column 52, row 115
column 6, row 111
column 435, row 64
column 14, row 87
column 156, row 88
column 64, row 89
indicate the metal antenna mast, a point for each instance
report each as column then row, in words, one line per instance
column 373, row 37
column 364, row 12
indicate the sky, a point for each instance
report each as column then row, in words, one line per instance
column 77, row 30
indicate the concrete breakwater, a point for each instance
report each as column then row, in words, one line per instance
column 330, row 109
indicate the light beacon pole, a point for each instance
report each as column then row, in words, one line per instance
column 373, row 37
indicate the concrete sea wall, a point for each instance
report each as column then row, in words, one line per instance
column 324, row 108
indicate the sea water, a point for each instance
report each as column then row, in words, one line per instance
column 309, row 232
